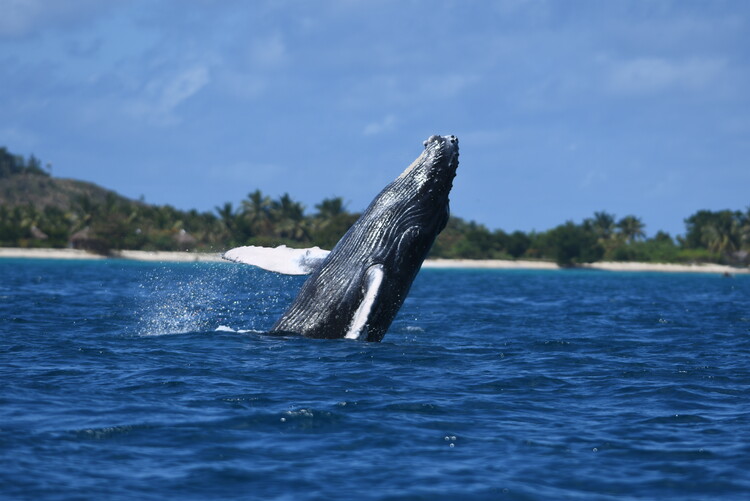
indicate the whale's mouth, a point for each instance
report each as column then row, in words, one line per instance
column 453, row 161
column 445, row 159
column 450, row 143
column 440, row 157
column 444, row 146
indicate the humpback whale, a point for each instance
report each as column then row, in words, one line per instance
column 355, row 290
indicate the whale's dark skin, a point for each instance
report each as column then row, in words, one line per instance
column 359, row 287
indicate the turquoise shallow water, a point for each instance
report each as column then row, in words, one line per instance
column 117, row 384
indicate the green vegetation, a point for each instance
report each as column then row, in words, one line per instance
column 16, row 164
column 38, row 210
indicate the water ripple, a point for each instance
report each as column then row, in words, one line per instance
column 119, row 382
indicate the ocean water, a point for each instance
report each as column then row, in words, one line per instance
column 123, row 380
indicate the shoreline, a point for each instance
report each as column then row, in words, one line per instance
column 632, row 266
column 495, row 264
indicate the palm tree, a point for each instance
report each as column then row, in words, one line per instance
column 85, row 212
column 289, row 217
column 256, row 211
column 745, row 229
column 330, row 208
column 227, row 215
column 603, row 225
column 631, row 228
column 724, row 234
column 329, row 211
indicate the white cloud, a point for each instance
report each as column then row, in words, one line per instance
column 401, row 89
column 241, row 85
column 269, row 51
column 182, row 86
column 249, row 73
column 378, row 127
column 19, row 18
column 162, row 96
column 653, row 75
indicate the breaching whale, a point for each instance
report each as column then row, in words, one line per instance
column 355, row 290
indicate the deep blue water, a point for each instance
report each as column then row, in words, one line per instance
column 116, row 384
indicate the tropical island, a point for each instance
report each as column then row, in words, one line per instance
column 39, row 211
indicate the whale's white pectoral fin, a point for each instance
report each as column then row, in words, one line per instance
column 373, row 280
column 281, row 259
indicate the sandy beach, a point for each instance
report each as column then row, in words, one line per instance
column 160, row 256
column 603, row 265
column 163, row 256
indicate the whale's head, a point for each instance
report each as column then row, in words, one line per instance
column 432, row 173
column 424, row 186
column 402, row 222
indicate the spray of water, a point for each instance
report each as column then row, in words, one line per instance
column 174, row 301
column 204, row 298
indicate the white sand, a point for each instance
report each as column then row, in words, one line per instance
column 179, row 257
column 495, row 264
column 47, row 253
column 665, row 267
column 126, row 254
column 603, row 265
column 162, row 256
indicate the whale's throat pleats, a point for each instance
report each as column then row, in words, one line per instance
column 373, row 280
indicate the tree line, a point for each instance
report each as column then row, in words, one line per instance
column 11, row 164
column 711, row 237
column 111, row 222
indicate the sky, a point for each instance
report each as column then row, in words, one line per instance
column 562, row 108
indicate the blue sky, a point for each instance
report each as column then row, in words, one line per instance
column 562, row 108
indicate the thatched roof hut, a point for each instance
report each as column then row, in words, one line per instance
column 85, row 239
